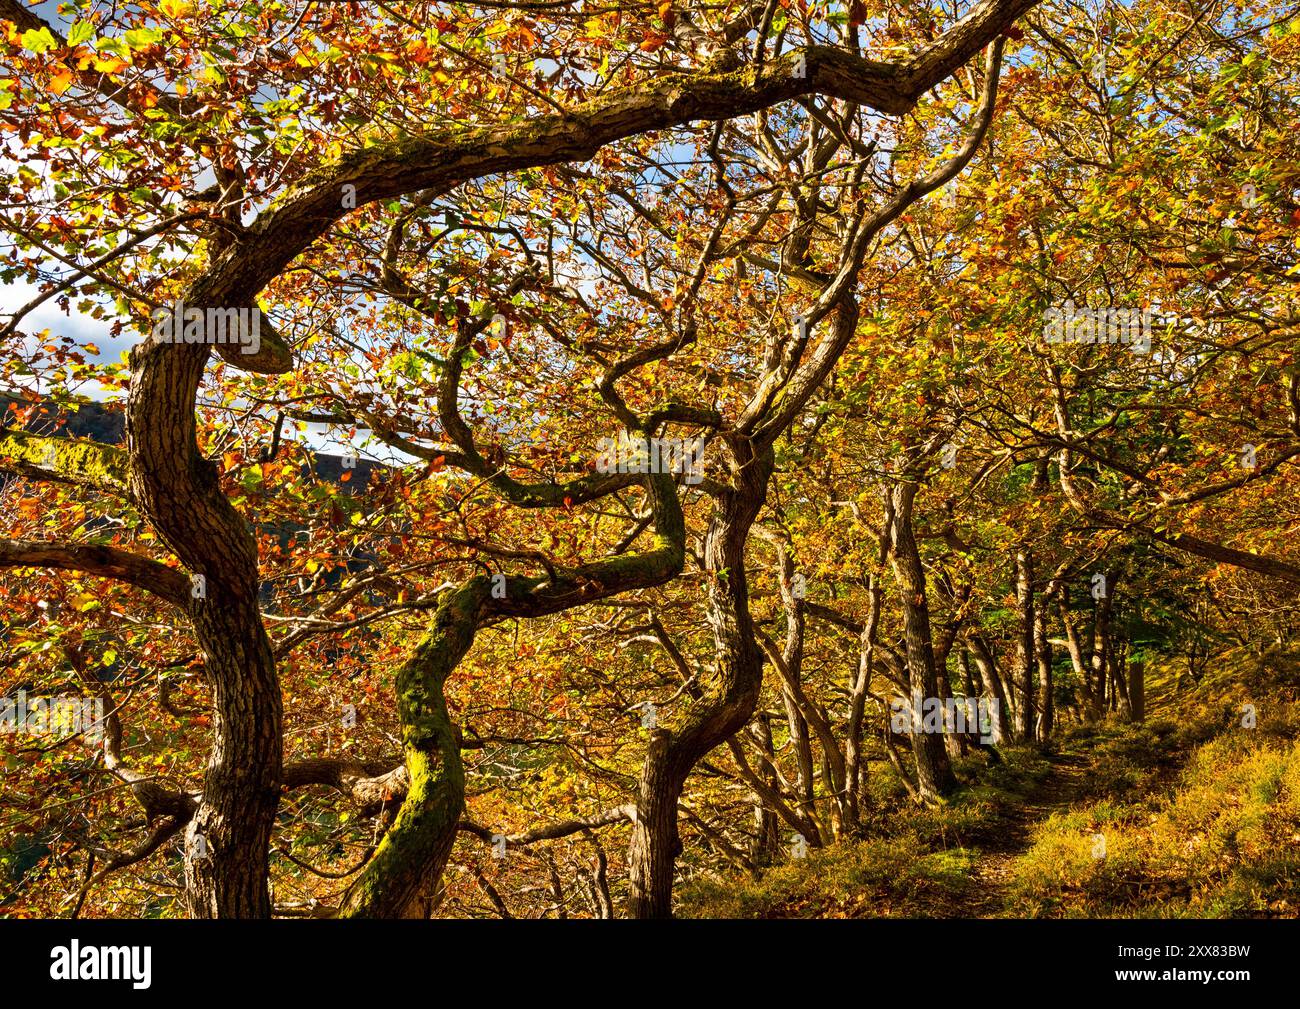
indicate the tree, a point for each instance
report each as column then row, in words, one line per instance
column 169, row 100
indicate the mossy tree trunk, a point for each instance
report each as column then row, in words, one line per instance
column 407, row 866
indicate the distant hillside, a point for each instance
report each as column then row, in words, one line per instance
column 107, row 425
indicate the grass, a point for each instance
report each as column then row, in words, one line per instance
column 1223, row 843
column 1195, row 813
column 893, row 878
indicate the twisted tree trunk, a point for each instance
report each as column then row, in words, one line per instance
column 727, row 698
column 228, row 840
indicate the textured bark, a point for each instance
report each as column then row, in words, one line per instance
column 1100, row 645
column 1119, row 682
column 1023, row 675
column 934, row 777
column 812, row 719
column 404, row 874
column 1137, row 690
column 767, row 837
column 727, row 698
column 104, row 561
column 228, row 840
column 1043, row 656
column 992, row 687
column 972, row 735
column 1079, row 661
column 406, row 866
column 63, row 460
column 796, row 722
column 855, row 770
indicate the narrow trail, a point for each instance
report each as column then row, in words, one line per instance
column 1064, row 786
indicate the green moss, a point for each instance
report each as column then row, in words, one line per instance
column 73, row 460
column 418, row 843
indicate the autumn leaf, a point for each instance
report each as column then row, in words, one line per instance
column 60, row 82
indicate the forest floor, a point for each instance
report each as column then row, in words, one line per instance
column 1065, row 787
column 1193, row 813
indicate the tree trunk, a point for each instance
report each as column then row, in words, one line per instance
column 177, row 490
column 1101, row 644
column 767, row 836
column 228, row 840
column 1024, row 671
column 933, row 770
column 1079, row 661
column 792, row 657
column 1137, row 690
column 1043, row 656
column 971, row 738
column 993, row 691
column 855, row 770
column 406, row 867
column 402, row 877
column 726, row 701
column 1119, row 682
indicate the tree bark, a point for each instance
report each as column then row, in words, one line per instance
column 228, row 840
column 409, row 860
column 855, row 768
column 1024, row 671
column 1137, row 691
column 1100, row 644
column 1043, row 656
column 1079, row 661
column 992, row 684
column 727, row 699
column 767, row 836
column 933, row 770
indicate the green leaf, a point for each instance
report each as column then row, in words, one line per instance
column 115, row 46
column 81, row 32
column 142, row 38
column 38, row 41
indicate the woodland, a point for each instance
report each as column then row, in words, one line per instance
column 719, row 458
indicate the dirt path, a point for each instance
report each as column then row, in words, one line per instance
column 1064, row 786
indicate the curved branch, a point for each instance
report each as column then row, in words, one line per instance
column 76, row 461
column 441, row 161
column 102, row 561
column 413, row 852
